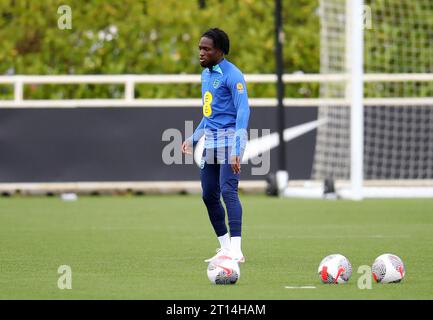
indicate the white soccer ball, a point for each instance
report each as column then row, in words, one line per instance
column 388, row 268
column 335, row 268
column 223, row 270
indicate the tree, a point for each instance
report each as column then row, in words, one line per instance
column 149, row 37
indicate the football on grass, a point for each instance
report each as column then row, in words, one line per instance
column 223, row 270
column 388, row 268
column 335, row 268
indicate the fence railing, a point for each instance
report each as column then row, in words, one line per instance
column 129, row 82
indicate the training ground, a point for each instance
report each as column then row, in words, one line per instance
column 153, row 247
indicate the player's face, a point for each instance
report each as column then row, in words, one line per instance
column 209, row 55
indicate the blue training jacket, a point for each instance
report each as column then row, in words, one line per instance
column 225, row 108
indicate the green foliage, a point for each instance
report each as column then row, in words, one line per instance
column 151, row 37
column 154, row 37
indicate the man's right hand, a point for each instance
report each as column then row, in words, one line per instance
column 187, row 147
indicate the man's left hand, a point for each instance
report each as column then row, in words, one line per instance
column 235, row 162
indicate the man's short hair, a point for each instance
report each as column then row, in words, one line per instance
column 220, row 39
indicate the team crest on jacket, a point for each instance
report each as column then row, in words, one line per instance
column 216, row 83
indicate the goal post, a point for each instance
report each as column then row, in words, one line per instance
column 354, row 67
column 380, row 142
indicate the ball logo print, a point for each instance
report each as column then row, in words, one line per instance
column 228, row 272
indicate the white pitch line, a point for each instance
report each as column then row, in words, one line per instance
column 300, row 287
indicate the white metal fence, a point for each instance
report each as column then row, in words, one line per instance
column 129, row 82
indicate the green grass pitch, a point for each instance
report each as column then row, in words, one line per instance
column 152, row 247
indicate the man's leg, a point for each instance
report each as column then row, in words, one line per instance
column 210, row 176
column 229, row 189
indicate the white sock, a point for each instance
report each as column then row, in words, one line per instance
column 236, row 244
column 225, row 241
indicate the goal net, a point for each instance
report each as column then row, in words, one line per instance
column 397, row 105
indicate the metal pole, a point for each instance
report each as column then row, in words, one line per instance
column 282, row 175
column 356, row 96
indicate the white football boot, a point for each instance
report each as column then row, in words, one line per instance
column 219, row 253
column 237, row 256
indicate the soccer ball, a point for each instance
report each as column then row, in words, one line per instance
column 388, row 268
column 223, row 270
column 335, row 268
